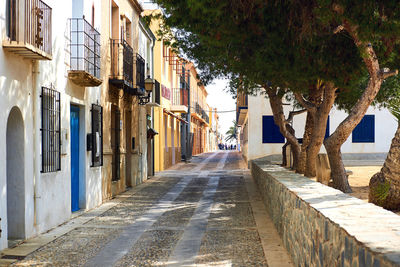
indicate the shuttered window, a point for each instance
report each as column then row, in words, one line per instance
column 365, row 130
column 97, row 136
column 270, row 131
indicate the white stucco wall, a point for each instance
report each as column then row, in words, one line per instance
column 48, row 195
column 385, row 127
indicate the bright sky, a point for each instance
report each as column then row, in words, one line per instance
column 218, row 98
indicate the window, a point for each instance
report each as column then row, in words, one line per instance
column 270, row 131
column 140, row 75
column 327, row 128
column 50, row 130
column 97, row 136
column 365, row 130
column 11, row 19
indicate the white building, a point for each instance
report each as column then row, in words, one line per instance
column 259, row 136
column 49, row 92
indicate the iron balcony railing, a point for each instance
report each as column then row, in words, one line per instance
column 85, row 47
column 179, row 97
column 122, row 61
column 34, row 28
column 205, row 116
column 140, row 71
column 198, row 108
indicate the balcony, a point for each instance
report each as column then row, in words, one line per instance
column 179, row 100
column 201, row 114
column 29, row 29
column 121, row 65
column 205, row 117
column 85, row 53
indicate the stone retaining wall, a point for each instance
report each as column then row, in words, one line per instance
column 321, row 226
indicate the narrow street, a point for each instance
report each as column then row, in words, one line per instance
column 204, row 213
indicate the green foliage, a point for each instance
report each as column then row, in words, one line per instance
column 381, row 192
column 232, row 132
column 286, row 44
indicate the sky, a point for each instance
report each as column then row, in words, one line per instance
column 223, row 101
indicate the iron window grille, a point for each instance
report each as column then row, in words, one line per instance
column 50, row 130
column 85, row 47
column 140, row 71
column 97, row 135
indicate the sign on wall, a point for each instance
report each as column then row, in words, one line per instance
column 165, row 92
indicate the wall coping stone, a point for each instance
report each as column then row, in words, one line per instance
column 374, row 227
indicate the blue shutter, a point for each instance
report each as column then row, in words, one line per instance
column 365, row 130
column 271, row 133
column 327, row 129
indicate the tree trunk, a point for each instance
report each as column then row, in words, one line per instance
column 318, row 133
column 306, row 141
column 343, row 131
column 284, row 159
column 338, row 172
column 279, row 118
column 384, row 186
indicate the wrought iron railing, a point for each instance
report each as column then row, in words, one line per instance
column 34, row 28
column 140, row 71
column 85, row 47
column 205, row 116
column 198, row 108
column 179, row 97
column 122, row 61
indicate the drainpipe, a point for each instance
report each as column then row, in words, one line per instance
column 36, row 140
column 188, row 151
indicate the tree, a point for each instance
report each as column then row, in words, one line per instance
column 232, row 132
column 293, row 48
column 245, row 39
column 384, row 186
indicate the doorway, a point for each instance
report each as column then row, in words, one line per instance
column 15, row 176
column 173, row 140
column 74, row 121
column 128, row 148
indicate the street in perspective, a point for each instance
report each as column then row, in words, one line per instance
column 199, row 133
column 196, row 214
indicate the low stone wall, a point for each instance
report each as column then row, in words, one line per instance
column 321, row 226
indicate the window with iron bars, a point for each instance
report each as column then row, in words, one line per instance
column 50, row 130
column 140, row 71
column 97, row 136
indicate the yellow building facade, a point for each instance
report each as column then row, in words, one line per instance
column 169, row 99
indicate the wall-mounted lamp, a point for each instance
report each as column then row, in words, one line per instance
column 148, row 85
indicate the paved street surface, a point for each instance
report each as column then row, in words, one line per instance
column 204, row 213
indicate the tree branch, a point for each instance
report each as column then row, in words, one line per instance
column 305, row 103
column 338, row 29
column 294, row 113
column 384, row 74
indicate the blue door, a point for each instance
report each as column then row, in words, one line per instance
column 74, row 158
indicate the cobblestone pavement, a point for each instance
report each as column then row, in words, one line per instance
column 195, row 214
